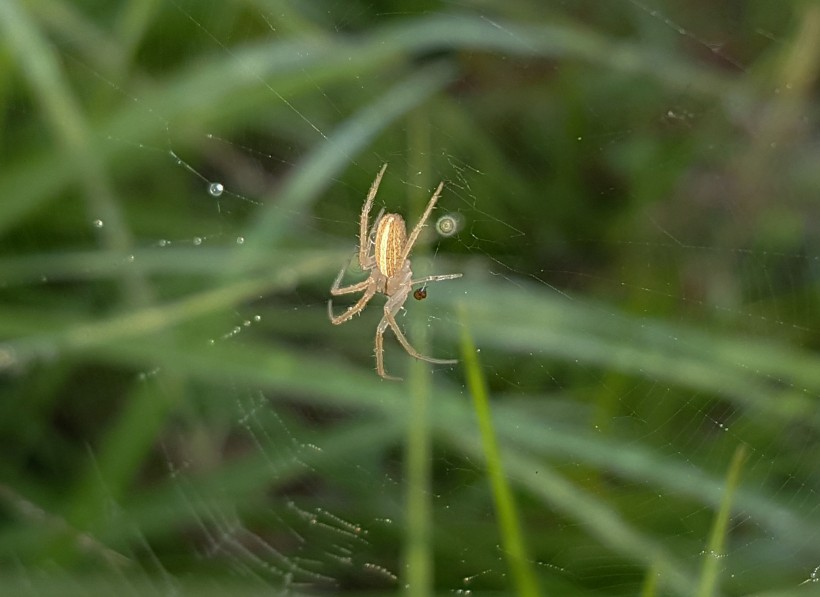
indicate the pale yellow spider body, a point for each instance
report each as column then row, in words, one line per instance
column 384, row 251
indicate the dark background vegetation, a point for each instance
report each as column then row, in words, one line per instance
column 639, row 188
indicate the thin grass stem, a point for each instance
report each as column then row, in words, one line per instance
column 509, row 524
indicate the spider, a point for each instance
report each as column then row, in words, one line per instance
column 384, row 251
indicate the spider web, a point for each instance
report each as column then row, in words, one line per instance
column 258, row 486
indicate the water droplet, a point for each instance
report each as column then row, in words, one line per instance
column 448, row 224
column 98, row 223
column 215, row 189
column 163, row 243
column 240, row 240
column 197, row 240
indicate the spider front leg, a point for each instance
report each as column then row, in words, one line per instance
column 364, row 237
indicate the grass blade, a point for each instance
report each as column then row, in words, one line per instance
column 717, row 539
column 508, row 521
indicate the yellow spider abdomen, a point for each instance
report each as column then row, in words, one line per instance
column 390, row 238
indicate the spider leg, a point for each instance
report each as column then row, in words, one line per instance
column 371, row 237
column 391, row 321
column 393, row 304
column 335, row 286
column 411, row 240
column 364, row 237
column 370, row 290
column 437, row 278
column 337, row 291
column 380, row 350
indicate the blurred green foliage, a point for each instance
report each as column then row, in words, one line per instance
column 638, row 182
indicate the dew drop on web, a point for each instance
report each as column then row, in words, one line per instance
column 215, row 189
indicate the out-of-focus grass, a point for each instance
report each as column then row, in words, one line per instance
column 645, row 199
column 509, row 522
column 716, row 548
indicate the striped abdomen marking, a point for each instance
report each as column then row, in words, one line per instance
column 390, row 238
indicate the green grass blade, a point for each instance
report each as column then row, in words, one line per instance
column 709, row 574
column 419, row 510
column 530, row 321
column 419, row 553
column 508, row 520
column 650, row 584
